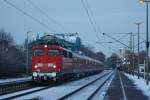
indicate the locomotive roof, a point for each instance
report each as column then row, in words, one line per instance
column 42, row 46
column 81, row 56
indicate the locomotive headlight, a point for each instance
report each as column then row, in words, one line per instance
column 35, row 66
column 54, row 66
column 51, row 65
column 45, row 46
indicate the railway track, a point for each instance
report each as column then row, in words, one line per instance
column 96, row 91
column 10, row 87
column 37, row 89
column 25, row 92
column 81, row 89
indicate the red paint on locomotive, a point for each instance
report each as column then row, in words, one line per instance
column 52, row 61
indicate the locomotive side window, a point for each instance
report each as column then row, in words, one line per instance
column 53, row 52
column 65, row 53
column 38, row 52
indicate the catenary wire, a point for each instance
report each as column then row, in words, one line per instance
column 44, row 13
column 28, row 15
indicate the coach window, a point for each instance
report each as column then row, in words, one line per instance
column 90, row 62
column 38, row 52
column 75, row 60
column 53, row 52
column 70, row 55
column 83, row 61
column 78, row 61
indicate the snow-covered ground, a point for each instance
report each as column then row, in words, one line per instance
column 56, row 92
column 84, row 93
column 3, row 81
column 141, row 84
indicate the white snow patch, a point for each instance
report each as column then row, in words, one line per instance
column 140, row 84
column 56, row 92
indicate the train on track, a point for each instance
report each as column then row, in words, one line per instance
column 54, row 62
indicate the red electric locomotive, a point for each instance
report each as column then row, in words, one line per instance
column 52, row 62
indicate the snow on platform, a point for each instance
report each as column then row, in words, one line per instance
column 140, row 84
column 123, row 88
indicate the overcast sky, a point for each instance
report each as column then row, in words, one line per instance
column 111, row 16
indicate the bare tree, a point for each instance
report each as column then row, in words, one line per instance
column 12, row 59
column 112, row 61
column 100, row 56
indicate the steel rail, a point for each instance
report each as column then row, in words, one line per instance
column 79, row 89
column 26, row 93
column 95, row 92
column 14, row 87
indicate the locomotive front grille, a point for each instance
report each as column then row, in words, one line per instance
column 41, row 74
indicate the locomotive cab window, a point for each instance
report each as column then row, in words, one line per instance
column 70, row 55
column 53, row 52
column 38, row 52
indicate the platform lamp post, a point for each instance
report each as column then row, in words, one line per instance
column 27, row 53
column 147, row 42
column 138, row 24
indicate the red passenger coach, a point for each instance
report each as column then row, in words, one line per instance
column 52, row 62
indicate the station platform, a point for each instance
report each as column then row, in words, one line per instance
column 123, row 88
